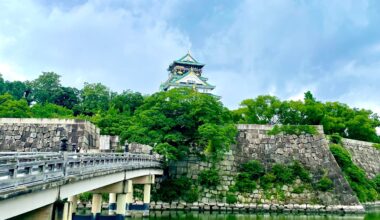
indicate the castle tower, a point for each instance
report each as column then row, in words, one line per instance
column 186, row 72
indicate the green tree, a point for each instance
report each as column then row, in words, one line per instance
column 49, row 110
column 46, row 87
column 11, row 108
column 262, row 110
column 127, row 101
column 95, row 98
column 180, row 119
column 67, row 97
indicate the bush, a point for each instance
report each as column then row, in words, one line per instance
column 342, row 156
column 267, row 180
column 254, row 168
column 300, row 171
column 283, row 174
column 325, row 184
column 335, row 138
column 365, row 189
column 376, row 182
column 244, row 183
column 191, row 195
column 299, row 189
column 209, row 178
column 293, row 129
column 231, row 198
column 174, row 189
column 85, row 197
column 377, row 146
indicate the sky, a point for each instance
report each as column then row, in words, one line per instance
column 250, row 48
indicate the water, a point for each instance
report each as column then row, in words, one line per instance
column 181, row 215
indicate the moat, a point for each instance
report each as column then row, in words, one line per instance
column 372, row 214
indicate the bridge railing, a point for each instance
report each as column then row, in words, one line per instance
column 18, row 170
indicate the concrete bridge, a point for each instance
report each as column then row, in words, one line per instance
column 32, row 183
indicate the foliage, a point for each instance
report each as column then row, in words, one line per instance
column 11, row 108
column 283, row 174
column 49, row 110
column 46, row 87
column 231, row 198
column 324, row 184
column 191, row 195
column 335, row 117
column 85, row 197
column 244, row 183
column 182, row 119
column 177, row 188
column 293, row 129
column 209, row 178
column 299, row 189
column 267, row 180
column 377, row 146
column 254, row 168
column 364, row 188
column 95, row 98
column 335, row 138
column 376, row 181
column 300, row 171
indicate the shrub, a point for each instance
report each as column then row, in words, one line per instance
column 376, row 182
column 293, row 129
column 342, row 156
column 364, row 188
column 231, row 198
column 173, row 189
column 299, row 189
column 300, row 171
column 377, row 146
column 209, row 178
column 244, row 183
column 283, row 174
column 191, row 195
column 254, row 168
column 267, row 180
column 325, row 184
column 335, row 138
column 85, row 197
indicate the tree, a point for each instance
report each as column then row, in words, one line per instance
column 179, row 120
column 95, row 98
column 46, row 88
column 11, row 108
column 67, row 97
column 49, row 110
column 262, row 110
column 127, row 101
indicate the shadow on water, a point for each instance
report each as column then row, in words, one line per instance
column 182, row 215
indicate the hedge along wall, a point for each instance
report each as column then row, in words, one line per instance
column 364, row 155
column 253, row 143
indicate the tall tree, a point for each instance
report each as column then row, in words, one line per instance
column 182, row 119
column 11, row 108
column 95, row 98
column 46, row 88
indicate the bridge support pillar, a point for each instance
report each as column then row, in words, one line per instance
column 129, row 197
column 73, row 203
column 112, row 204
column 96, row 205
column 121, row 205
column 147, row 188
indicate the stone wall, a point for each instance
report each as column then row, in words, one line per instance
column 254, row 144
column 30, row 134
column 364, row 155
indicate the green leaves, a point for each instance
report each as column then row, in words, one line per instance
column 181, row 119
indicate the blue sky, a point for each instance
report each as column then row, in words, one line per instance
column 282, row 48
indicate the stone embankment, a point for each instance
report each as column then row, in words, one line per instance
column 254, row 207
column 364, row 155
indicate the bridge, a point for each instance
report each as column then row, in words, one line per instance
column 32, row 183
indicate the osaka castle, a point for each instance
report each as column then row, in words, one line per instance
column 187, row 72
